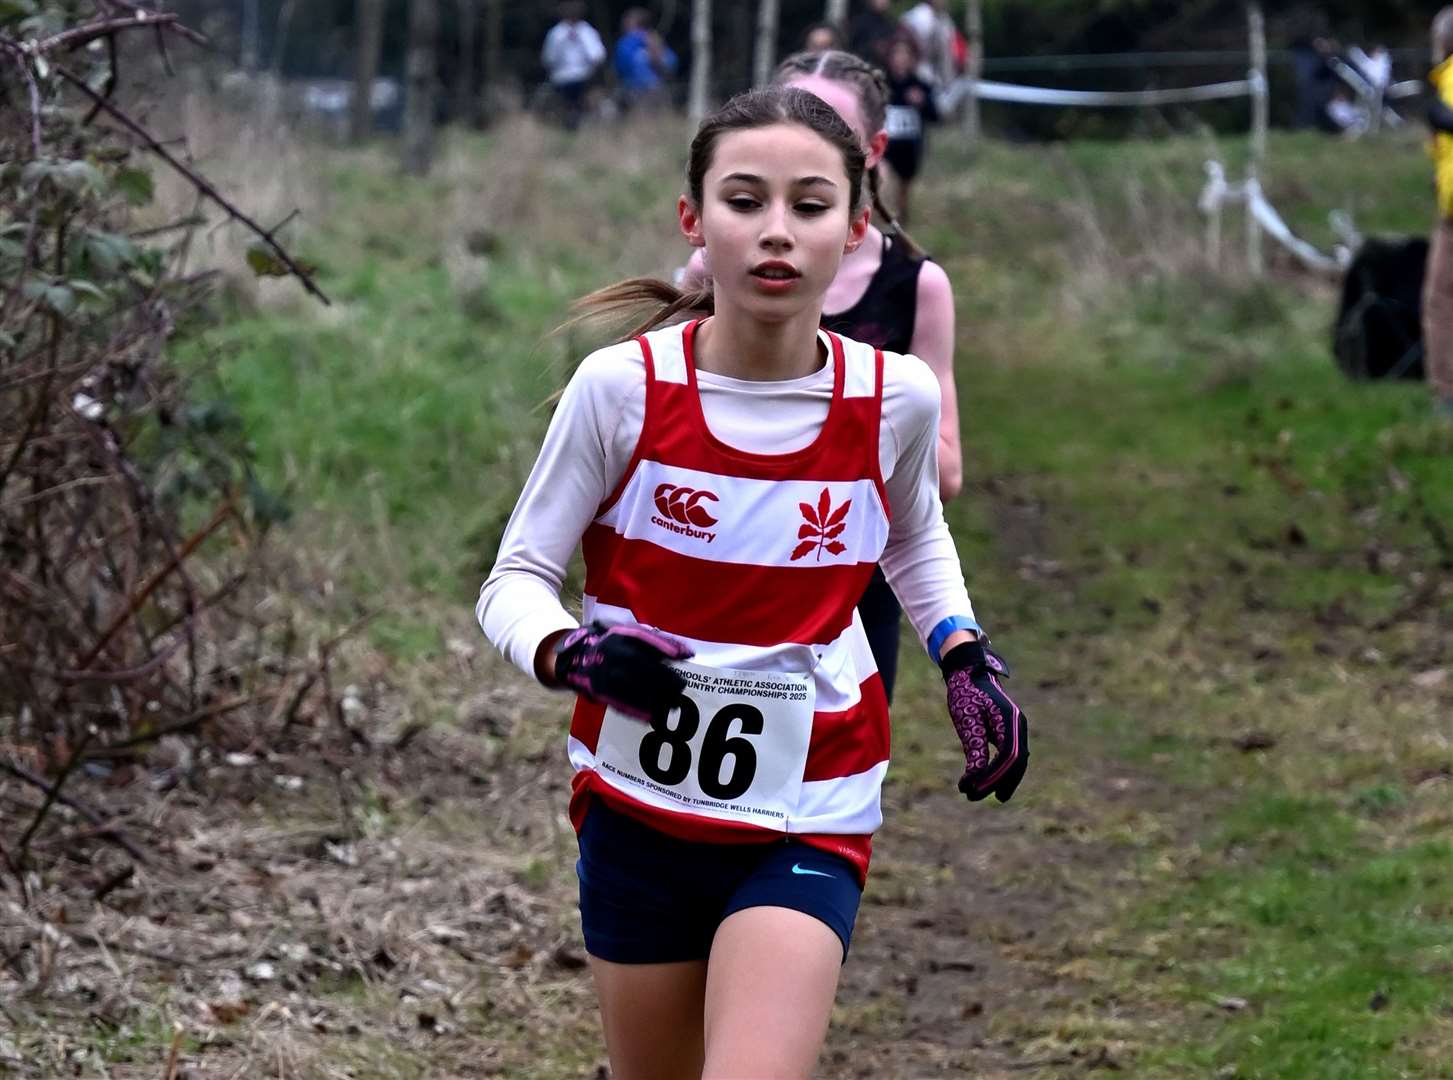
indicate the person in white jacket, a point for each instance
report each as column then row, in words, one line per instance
column 571, row 54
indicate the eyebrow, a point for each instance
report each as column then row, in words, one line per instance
column 801, row 181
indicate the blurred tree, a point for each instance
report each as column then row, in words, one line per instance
column 280, row 39
column 367, row 42
column 422, row 74
column 764, row 55
column 698, row 106
column 466, row 93
column 494, row 42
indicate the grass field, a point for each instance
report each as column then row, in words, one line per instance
column 1221, row 572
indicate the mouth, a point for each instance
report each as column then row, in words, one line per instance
column 775, row 271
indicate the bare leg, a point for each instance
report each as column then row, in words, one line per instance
column 652, row 1015
column 1438, row 314
column 769, row 992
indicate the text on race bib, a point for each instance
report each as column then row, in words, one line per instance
column 734, row 747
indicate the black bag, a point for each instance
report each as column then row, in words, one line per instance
column 1379, row 331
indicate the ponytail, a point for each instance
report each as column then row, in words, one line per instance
column 625, row 299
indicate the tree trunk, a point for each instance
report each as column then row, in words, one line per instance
column 367, row 42
column 422, row 72
column 836, row 13
column 466, row 97
column 280, row 39
column 974, row 23
column 765, row 54
column 251, row 35
column 700, row 61
column 494, row 42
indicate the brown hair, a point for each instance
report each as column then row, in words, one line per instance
column 753, row 109
column 872, row 89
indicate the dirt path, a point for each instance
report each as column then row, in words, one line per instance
column 413, row 914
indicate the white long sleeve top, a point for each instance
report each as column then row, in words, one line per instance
column 590, row 443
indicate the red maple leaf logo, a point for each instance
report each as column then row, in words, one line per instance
column 824, row 526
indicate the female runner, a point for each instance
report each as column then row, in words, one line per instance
column 733, row 481
column 886, row 293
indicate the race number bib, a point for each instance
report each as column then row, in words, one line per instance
column 903, row 122
column 734, row 747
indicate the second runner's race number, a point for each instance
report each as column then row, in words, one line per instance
column 666, row 748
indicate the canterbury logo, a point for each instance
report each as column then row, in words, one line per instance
column 684, row 505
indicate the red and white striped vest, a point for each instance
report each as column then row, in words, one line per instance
column 757, row 561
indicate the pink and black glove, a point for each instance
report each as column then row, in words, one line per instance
column 623, row 667
column 984, row 716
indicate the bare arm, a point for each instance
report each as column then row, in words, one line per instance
column 933, row 343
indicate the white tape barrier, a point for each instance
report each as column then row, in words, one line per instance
column 986, row 90
column 1218, row 192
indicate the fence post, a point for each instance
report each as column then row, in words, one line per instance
column 974, row 27
column 1260, row 118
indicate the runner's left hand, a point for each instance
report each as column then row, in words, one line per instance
column 984, row 715
column 623, row 666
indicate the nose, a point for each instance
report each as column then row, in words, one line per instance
column 776, row 233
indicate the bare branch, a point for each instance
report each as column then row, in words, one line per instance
column 196, row 180
column 77, row 36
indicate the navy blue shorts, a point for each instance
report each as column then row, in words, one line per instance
column 649, row 898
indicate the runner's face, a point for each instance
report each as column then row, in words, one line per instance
column 775, row 220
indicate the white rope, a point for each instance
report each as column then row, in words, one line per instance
column 986, row 90
column 1218, row 192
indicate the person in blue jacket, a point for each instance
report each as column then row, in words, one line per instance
column 643, row 61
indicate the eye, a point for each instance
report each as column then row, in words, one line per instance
column 742, row 203
column 812, row 207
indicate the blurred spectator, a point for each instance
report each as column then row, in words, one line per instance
column 821, row 37
column 571, row 54
column 1315, row 80
column 643, row 61
column 1438, row 287
column 910, row 109
column 872, row 33
column 1344, row 115
column 933, row 31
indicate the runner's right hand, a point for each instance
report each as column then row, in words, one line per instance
column 623, row 667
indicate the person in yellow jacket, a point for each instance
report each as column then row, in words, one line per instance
column 1438, row 289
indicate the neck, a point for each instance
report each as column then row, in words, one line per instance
column 737, row 345
column 869, row 251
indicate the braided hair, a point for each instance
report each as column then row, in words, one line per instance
column 872, row 90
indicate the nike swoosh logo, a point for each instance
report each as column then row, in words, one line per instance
column 797, row 869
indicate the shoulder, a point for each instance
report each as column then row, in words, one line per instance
column 934, row 287
column 911, row 395
column 608, row 376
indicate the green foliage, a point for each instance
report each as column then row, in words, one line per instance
column 1179, row 514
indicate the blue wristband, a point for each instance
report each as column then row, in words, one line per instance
column 947, row 627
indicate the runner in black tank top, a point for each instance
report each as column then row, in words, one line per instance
column 883, row 317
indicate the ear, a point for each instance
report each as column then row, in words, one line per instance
column 877, row 147
column 858, row 230
column 690, row 218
